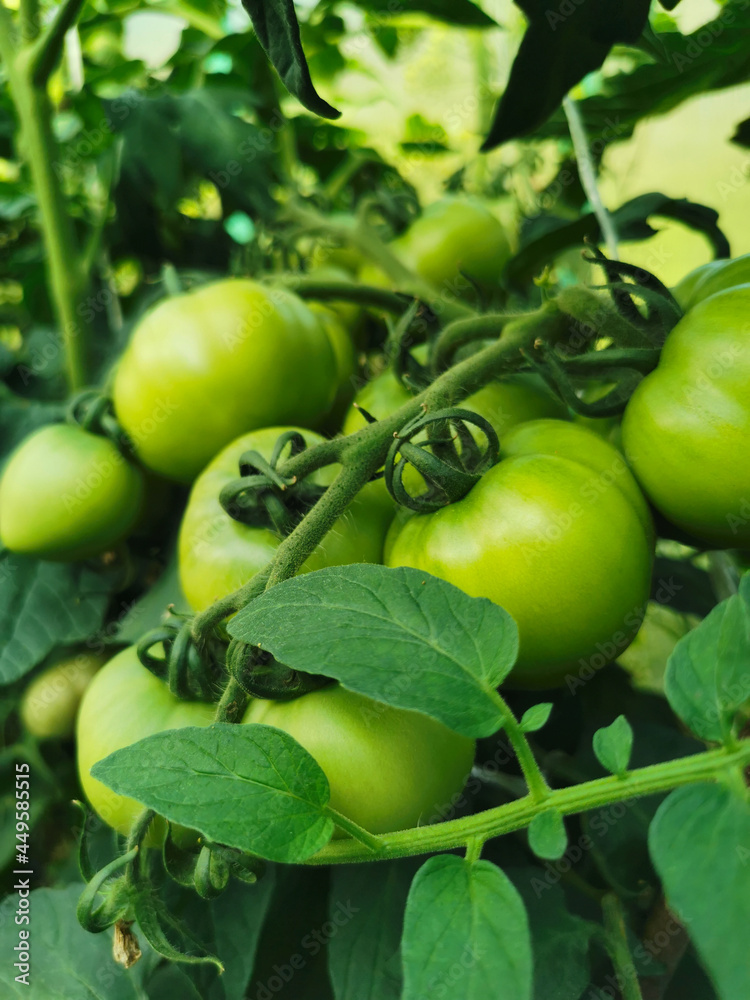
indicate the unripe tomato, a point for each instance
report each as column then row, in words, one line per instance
column 218, row 554
column 455, row 244
column 558, row 534
column 686, row 427
column 388, row 769
column 349, row 313
column 125, row 703
column 50, row 703
column 67, row 494
column 224, row 359
column 346, row 359
column 716, row 276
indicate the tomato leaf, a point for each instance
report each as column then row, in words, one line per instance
column 547, row 835
column 536, row 717
column 707, row 677
column 700, row 845
column 465, row 922
column 557, row 51
column 249, row 787
column 613, row 745
column 275, row 24
column 81, row 969
column 367, row 905
column 399, row 636
column 44, row 605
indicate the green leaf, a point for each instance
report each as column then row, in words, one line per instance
column 707, row 677
column 466, row 929
column 536, row 717
column 547, row 835
column 276, row 26
column 67, row 963
column 251, row 787
column 613, row 745
column 44, row 605
column 557, row 51
column 399, row 636
column 367, row 906
column 700, row 844
column 460, row 12
column 560, row 940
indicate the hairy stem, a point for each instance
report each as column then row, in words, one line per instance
column 517, row 815
column 539, row 790
column 616, row 940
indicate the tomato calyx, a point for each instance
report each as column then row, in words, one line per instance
column 92, row 411
column 261, row 676
column 262, row 497
column 189, row 675
column 449, row 471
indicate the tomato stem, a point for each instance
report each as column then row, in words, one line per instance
column 651, row 780
column 539, row 790
column 370, row 840
column 616, row 943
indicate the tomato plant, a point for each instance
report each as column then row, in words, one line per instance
column 688, row 420
column 716, row 276
column 262, row 352
column 67, row 494
column 50, row 703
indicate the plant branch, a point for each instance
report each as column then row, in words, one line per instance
column 539, row 790
column 517, row 815
column 616, row 943
column 41, row 57
column 587, row 173
column 8, row 38
column 345, row 291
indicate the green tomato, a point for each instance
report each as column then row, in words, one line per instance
column 218, row 554
column 646, row 657
column 66, row 494
column 559, row 535
column 125, row 703
column 707, row 280
column 346, row 359
column 455, row 237
column 50, row 703
column 224, row 359
column 388, row 769
column 349, row 313
column 686, row 427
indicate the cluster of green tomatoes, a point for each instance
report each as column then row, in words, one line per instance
column 559, row 532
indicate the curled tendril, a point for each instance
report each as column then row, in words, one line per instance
column 449, row 472
column 261, row 497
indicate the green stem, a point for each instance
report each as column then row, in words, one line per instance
column 345, row 291
column 29, row 19
column 516, row 815
column 616, row 941
column 66, row 278
column 474, row 849
column 370, row 841
column 234, row 701
column 539, row 790
column 41, row 57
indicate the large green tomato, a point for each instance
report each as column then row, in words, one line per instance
column 227, row 358
column 67, row 494
column 686, row 429
column 218, row 554
column 388, row 769
column 559, row 535
column 125, row 703
column 50, row 703
column 708, row 279
column 346, row 359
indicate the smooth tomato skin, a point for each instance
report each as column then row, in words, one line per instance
column 218, row 554
column 345, row 354
column 388, row 769
column 66, row 494
column 686, row 427
column 125, row 703
column 50, row 703
column 219, row 361
column 552, row 533
column 455, row 236
column 707, row 280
